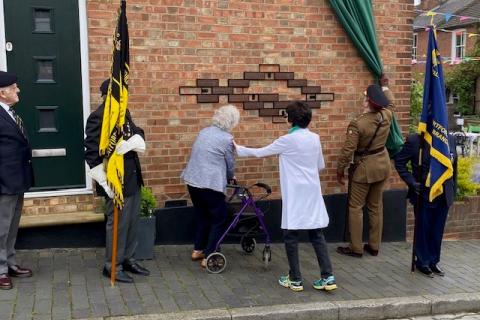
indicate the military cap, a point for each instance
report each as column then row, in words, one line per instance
column 104, row 87
column 376, row 97
column 7, row 79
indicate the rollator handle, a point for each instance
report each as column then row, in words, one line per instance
column 267, row 188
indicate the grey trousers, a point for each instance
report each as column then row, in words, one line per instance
column 127, row 231
column 319, row 245
column 10, row 212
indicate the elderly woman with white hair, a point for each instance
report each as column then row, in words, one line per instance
column 211, row 165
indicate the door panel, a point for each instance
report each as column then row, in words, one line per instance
column 45, row 56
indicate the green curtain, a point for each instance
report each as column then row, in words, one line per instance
column 356, row 17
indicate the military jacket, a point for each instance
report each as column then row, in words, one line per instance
column 373, row 167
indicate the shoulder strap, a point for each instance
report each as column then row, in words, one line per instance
column 374, row 134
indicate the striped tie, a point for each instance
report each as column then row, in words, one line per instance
column 19, row 122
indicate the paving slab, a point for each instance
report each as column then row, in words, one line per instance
column 68, row 284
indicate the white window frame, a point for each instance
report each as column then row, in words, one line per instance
column 455, row 45
column 414, row 46
column 82, row 16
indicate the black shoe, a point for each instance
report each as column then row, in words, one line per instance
column 373, row 252
column 425, row 271
column 348, row 252
column 135, row 268
column 120, row 277
column 436, row 270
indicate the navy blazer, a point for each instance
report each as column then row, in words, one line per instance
column 409, row 153
column 16, row 171
column 133, row 172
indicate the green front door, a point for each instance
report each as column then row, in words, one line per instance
column 43, row 49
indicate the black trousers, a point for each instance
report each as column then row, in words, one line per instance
column 429, row 233
column 319, row 245
column 211, row 215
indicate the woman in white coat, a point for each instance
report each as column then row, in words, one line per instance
column 303, row 207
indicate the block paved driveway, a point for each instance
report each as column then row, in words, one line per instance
column 67, row 283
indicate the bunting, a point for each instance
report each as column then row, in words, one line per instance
column 447, row 15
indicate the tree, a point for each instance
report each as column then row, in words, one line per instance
column 461, row 80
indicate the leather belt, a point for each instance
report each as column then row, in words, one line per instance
column 368, row 153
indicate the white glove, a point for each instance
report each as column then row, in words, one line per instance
column 98, row 174
column 107, row 189
column 135, row 143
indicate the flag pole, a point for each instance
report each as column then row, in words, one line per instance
column 418, row 203
column 113, row 272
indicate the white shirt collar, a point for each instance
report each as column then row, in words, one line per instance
column 7, row 108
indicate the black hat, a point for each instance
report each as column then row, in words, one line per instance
column 7, row 79
column 376, row 97
column 104, row 87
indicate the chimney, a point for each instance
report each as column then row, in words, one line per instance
column 430, row 4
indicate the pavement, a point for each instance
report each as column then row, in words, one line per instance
column 458, row 316
column 67, row 284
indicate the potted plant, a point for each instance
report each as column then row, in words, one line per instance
column 146, row 225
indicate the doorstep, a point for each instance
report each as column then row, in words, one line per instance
column 30, row 221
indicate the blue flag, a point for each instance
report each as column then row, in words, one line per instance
column 434, row 121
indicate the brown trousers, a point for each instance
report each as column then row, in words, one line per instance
column 371, row 195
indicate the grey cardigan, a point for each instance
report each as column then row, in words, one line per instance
column 212, row 160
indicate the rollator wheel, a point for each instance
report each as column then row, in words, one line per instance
column 216, row 262
column 267, row 256
column 248, row 244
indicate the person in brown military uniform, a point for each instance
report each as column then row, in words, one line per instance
column 365, row 145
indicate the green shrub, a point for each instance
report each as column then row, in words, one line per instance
column 148, row 202
column 461, row 80
column 416, row 102
column 465, row 184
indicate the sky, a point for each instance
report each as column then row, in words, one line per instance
column 416, row 2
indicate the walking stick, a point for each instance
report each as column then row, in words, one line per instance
column 113, row 270
column 416, row 207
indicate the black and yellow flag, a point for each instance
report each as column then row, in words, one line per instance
column 116, row 108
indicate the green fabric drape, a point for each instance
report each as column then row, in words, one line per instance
column 356, row 17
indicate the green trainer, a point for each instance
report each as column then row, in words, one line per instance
column 327, row 284
column 284, row 281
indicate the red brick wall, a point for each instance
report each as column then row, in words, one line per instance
column 65, row 204
column 174, row 42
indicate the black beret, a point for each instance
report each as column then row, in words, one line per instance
column 376, row 97
column 7, row 79
column 104, row 87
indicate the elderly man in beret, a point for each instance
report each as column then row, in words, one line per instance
column 16, row 177
column 368, row 163
column 128, row 217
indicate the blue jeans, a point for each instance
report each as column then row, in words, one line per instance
column 211, row 215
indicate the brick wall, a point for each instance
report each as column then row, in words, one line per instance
column 65, row 204
column 174, row 42
column 463, row 221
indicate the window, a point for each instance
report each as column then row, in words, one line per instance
column 414, row 46
column 459, row 39
column 42, row 20
column 45, row 69
column 47, row 119
column 452, row 98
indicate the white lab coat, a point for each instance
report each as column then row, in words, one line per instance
column 301, row 159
